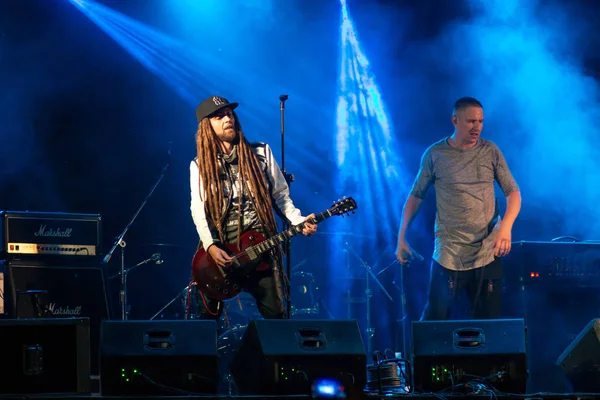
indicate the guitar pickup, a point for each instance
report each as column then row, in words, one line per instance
column 251, row 253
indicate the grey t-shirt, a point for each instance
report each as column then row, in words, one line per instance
column 467, row 215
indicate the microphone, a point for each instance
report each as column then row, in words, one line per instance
column 283, row 97
column 156, row 258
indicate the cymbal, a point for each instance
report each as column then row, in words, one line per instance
column 298, row 265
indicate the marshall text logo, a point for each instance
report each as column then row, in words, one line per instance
column 45, row 232
column 64, row 310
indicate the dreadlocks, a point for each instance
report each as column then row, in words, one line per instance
column 251, row 178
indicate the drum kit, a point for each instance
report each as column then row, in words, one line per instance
column 304, row 292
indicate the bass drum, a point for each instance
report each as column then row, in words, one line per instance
column 303, row 296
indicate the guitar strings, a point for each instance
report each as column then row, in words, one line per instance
column 298, row 228
column 245, row 252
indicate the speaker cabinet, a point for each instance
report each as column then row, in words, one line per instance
column 43, row 291
column 581, row 360
column 45, row 356
column 448, row 353
column 158, row 357
column 286, row 356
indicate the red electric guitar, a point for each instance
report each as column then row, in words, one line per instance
column 252, row 255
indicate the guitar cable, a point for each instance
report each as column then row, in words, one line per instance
column 206, row 305
column 189, row 301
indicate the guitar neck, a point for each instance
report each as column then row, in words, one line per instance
column 289, row 233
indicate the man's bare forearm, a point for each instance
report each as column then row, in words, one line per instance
column 409, row 212
column 513, row 207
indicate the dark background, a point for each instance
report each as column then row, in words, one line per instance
column 87, row 123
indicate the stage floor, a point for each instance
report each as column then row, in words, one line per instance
column 365, row 396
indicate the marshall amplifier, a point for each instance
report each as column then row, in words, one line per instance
column 30, row 234
column 34, row 291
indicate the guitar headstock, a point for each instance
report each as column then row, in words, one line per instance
column 343, row 206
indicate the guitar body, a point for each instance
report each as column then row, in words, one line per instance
column 224, row 283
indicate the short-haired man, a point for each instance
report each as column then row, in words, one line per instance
column 470, row 236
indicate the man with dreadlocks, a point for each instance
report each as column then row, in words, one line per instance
column 234, row 187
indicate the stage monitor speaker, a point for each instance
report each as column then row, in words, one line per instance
column 40, row 291
column 451, row 353
column 45, row 356
column 158, row 357
column 581, row 360
column 278, row 357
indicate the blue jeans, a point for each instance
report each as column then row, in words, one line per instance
column 482, row 286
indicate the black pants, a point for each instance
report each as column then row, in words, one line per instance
column 482, row 286
column 261, row 286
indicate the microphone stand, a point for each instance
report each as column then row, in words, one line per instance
column 121, row 243
column 402, row 309
column 400, row 286
column 124, row 273
column 289, row 178
column 184, row 292
column 369, row 293
column 155, row 257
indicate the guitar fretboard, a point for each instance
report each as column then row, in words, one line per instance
column 268, row 244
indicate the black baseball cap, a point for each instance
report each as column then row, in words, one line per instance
column 212, row 105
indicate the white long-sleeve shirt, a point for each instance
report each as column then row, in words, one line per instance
column 280, row 194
